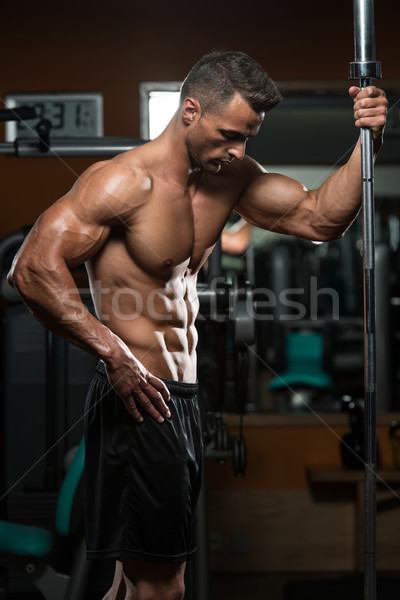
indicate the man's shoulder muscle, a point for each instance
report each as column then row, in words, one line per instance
column 78, row 224
column 109, row 191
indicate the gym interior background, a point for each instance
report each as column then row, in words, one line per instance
column 296, row 514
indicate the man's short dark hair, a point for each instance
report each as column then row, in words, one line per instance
column 216, row 77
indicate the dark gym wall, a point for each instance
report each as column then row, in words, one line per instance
column 111, row 46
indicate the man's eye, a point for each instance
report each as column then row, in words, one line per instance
column 229, row 136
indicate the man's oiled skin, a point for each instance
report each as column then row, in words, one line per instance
column 144, row 223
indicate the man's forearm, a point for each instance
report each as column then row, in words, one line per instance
column 338, row 199
column 48, row 297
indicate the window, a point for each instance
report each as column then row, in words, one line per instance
column 158, row 102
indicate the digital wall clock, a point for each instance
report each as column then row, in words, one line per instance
column 78, row 114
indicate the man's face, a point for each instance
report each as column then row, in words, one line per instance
column 215, row 139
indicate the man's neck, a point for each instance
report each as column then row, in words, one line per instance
column 175, row 164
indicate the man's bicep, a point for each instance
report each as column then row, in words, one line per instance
column 276, row 202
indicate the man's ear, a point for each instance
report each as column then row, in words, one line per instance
column 190, row 110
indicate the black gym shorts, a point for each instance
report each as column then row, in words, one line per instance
column 142, row 480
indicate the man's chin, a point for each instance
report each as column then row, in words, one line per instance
column 208, row 166
column 213, row 168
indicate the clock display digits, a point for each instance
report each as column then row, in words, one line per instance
column 70, row 114
column 57, row 118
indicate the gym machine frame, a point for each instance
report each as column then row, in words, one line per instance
column 365, row 68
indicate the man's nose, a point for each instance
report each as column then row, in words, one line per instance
column 237, row 150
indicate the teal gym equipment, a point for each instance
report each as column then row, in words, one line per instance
column 28, row 548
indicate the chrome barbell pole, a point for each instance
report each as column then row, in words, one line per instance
column 365, row 68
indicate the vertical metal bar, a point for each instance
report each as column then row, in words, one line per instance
column 369, row 366
column 364, row 31
column 365, row 67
